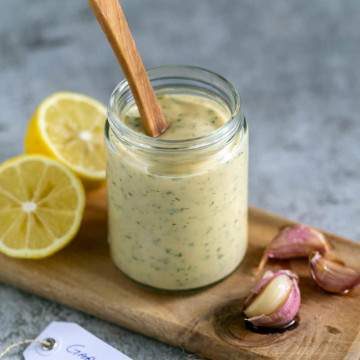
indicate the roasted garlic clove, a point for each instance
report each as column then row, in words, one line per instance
column 297, row 241
column 274, row 301
column 332, row 276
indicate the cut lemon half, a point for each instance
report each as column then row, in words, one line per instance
column 41, row 206
column 70, row 128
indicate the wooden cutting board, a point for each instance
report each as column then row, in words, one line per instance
column 206, row 322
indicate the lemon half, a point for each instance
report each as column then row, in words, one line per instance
column 70, row 128
column 41, row 206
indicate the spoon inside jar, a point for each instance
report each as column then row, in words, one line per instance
column 113, row 22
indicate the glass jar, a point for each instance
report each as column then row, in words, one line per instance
column 178, row 208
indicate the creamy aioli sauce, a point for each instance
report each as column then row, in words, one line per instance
column 188, row 116
column 179, row 225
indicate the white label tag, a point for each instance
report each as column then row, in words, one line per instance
column 72, row 343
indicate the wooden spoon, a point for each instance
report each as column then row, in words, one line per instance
column 112, row 19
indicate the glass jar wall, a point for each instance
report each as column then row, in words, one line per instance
column 178, row 204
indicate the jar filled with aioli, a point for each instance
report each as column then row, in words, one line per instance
column 178, row 202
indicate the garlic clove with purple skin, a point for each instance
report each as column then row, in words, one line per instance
column 332, row 276
column 274, row 301
column 276, row 292
column 297, row 241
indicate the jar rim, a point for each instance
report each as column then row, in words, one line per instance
column 142, row 141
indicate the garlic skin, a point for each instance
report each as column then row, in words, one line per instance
column 297, row 241
column 332, row 276
column 274, row 301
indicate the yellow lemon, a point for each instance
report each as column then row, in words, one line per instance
column 69, row 127
column 41, row 206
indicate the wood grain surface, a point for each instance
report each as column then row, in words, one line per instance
column 207, row 322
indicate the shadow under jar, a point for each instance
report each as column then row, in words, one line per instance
column 178, row 203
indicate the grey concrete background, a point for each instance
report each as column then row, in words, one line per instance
column 295, row 63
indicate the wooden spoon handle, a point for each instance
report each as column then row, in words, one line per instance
column 112, row 19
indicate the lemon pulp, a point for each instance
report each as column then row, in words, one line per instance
column 41, row 206
column 69, row 127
